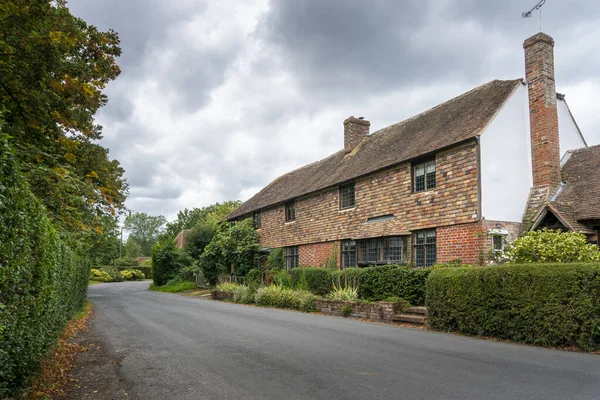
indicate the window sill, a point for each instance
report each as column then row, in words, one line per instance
column 424, row 191
column 290, row 222
column 346, row 209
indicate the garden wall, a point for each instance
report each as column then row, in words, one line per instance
column 382, row 311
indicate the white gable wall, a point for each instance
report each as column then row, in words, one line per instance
column 506, row 172
column 569, row 136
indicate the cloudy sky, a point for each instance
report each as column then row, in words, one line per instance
column 217, row 98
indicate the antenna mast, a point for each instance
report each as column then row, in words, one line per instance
column 538, row 6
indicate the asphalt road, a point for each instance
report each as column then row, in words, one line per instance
column 176, row 347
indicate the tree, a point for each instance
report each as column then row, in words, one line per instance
column 167, row 261
column 207, row 216
column 53, row 70
column 132, row 248
column 235, row 245
column 144, row 229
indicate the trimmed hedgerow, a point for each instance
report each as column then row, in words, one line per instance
column 314, row 279
column 42, row 281
column 543, row 304
column 381, row 282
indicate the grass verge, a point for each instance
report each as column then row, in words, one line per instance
column 94, row 282
column 174, row 288
column 54, row 375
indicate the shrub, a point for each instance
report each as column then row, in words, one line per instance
column 146, row 263
column 132, row 274
column 282, row 278
column 167, row 261
column 254, row 277
column 174, row 286
column 276, row 259
column 43, row 279
column 346, row 310
column 125, row 262
column 147, row 271
column 243, row 295
column 346, row 291
column 276, row 296
column 381, row 282
column 547, row 246
column 99, row 275
column 544, row 304
column 227, row 287
column 314, row 279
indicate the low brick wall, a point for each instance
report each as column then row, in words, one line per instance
column 381, row 311
column 218, row 295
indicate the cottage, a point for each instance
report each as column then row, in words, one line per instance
column 450, row 183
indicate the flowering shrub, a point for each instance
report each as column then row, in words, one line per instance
column 547, row 246
column 227, row 287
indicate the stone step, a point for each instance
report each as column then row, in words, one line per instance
column 417, row 310
column 412, row 318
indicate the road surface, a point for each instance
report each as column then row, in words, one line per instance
column 176, row 347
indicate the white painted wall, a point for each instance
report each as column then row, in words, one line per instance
column 569, row 137
column 506, row 173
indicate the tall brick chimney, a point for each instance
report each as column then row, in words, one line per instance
column 543, row 116
column 355, row 130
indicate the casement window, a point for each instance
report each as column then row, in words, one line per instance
column 385, row 250
column 424, row 176
column 348, row 254
column 347, row 196
column 424, row 248
column 498, row 243
column 291, row 257
column 256, row 219
column 290, row 211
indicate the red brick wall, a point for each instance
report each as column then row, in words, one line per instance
column 467, row 242
column 316, row 254
column 318, row 218
column 543, row 115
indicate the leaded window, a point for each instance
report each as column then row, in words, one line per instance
column 292, row 256
column 290, row 211
column 424, row 176
column 348, row 254
column 256, row 220
column 424, row 248
column 385, row 250
column 347, row 196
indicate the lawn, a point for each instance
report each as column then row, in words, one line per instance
column 174, row 288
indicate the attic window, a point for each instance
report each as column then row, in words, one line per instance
column 347, row 196
column 424, row 175
column 290, row 211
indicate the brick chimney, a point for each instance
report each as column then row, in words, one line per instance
column 543, row 116
column 355, row 130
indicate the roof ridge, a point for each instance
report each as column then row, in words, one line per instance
column 585, row 148
column 480, row 87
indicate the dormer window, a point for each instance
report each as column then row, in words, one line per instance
column 347, row 196
column 424, row 175
column 290, row 211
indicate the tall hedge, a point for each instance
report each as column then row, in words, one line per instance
column 42, row 281
column 544, row 304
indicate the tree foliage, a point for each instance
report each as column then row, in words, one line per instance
column 132, row 248
column 549, row 246
column 206, row 216
column 233, row 245
column 54, row 67
column 144, row 229
column 167, row 261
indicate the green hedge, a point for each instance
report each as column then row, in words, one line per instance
column 543, row 304
column 276, row 296
column 374, row 283
column 42, row 281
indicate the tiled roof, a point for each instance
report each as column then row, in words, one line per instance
column 581, row 176
column 449, row 123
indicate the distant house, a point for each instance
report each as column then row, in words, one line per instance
column 181, row 238
column 450, row 183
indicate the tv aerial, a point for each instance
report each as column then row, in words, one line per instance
column 538, row 6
